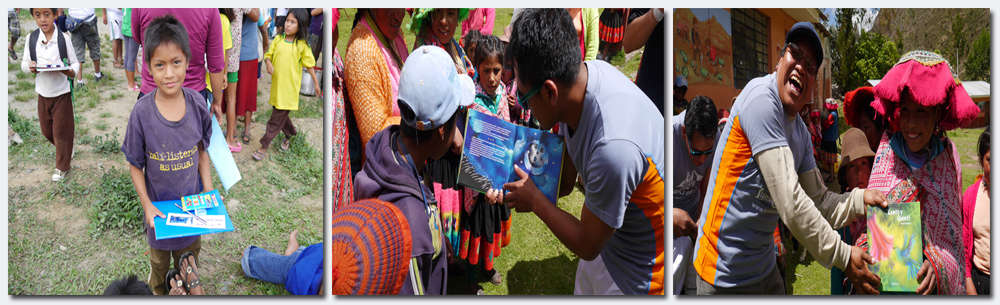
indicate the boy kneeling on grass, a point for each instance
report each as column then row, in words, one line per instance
column 55, row 96
column 165, row 142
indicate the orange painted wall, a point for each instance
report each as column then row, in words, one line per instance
column 780, row 23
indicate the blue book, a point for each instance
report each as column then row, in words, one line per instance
column 169, row 207
column 493, row 147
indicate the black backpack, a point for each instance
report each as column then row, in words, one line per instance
column 33, row 40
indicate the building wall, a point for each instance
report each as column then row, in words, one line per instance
column 779, row 24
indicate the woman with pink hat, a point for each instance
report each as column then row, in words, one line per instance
column 922, row 98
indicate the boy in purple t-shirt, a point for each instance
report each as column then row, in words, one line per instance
column 165, row 141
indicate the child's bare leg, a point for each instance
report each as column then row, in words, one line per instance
column 130, row 75
column 246, row 123
column 293, row 243
column 231, row 114
column 117, row 50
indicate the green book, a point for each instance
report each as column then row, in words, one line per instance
column 895, row 243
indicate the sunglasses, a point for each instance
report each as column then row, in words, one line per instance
column 699, row 153
column 523, row 99
column 808, row 63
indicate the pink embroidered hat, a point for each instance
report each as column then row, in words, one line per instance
column 930, row 80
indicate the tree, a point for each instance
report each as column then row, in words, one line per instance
column 876, row 54
column 977, row 66
column 958, row 42
column 842, row 55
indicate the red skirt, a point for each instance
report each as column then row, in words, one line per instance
column 612, row 27
column 246, row 88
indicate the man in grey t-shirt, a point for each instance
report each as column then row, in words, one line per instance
column 695, row 135
column 767, row 174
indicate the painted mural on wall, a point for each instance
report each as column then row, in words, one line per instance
column 703, row 48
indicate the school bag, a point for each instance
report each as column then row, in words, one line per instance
column 63, row 54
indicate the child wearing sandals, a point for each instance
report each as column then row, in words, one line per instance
column 290, row 53
column 168, row 131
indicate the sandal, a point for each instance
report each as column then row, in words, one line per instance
column 13, row 55
column 235, row 149
column 285, row 144
column 170, row 279
column 188, row 271
column 259, row 156
column 496, row 279
column 246, row 137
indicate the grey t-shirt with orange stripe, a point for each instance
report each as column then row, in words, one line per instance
column 735, row 245
column 618, row 151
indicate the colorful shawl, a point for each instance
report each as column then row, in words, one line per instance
column 936, row 185
column 394, row 53
column 343, row 190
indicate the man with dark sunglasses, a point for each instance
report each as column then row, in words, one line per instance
column 614, row 138
column 766, row 173
column 695, row 134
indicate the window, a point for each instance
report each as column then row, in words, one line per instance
column 749, row 45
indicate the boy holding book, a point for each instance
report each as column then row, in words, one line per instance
column 165, row 141
column 55, row 99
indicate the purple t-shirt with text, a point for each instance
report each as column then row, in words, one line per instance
column 167, row 152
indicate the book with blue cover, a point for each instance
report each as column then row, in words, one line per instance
column 493, row 147
column 895, row 242
column 181, row 223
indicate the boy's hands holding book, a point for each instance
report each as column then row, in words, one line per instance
column 32, row 66
column 151, row 213
column 857, row 271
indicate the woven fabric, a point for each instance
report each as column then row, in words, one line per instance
column 371, row 247
column 343, row 188
column 371, row 82
column 936, row 186
column 930, row 81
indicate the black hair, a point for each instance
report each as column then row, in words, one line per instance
column 489, row 46
column 406, row 113
column 228, row 12
column 471, row 38
column 32, row 12
column 302, row 16
column 165, row 29
column 544, row 45
column 129, row 285
column 984, row 144
column 869, row 112
column 701, row 117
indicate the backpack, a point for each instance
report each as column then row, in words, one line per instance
column 33, row 41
